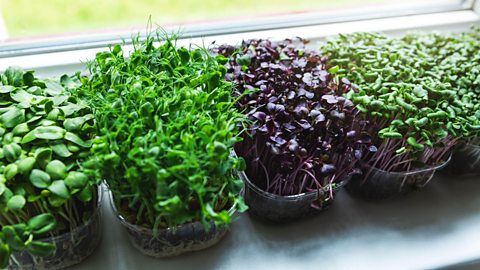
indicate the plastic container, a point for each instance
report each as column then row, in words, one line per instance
column 465, row 160
column 275, row 208
column 172, row 241
column 71, row 248
column 380, row 184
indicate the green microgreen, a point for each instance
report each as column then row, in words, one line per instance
column 42, row 149
column 166, row 124
column 417, row 114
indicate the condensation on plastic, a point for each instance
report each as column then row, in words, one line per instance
column 172, row 241
column 71, row 248
column 275, row 208
column 465, row 160
column 376, row 184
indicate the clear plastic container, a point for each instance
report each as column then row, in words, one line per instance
column 275, row 208
column 376, row 184
column 172, row 241
column 465, row 160
column 71, row 248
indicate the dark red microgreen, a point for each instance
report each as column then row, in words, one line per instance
column 303, row 134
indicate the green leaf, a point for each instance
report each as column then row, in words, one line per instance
column 244, row 60
column 146, row 109
column 28, row 78
column 23, row 97
column 4, row 255
column 53, row 89
column 85, row 195
column 61, row 150
column 12, row 151
column 56, row 169
column 413, row 142
column 39, row 178
column 2, row 188
column 20, row 129
column 56, row 201
column 77, row 140
column 57, row 100
column 29, row 137
column 49, row 133
column 240, row 205
column 16, row 202
column 58, row 188
column 184, row 55
column 14, row 76
column 48, row 106
column 10, row 171
column 26, row 165
column 12, row 238
column 54, row 114
column 43, row 156
column 420, row 92
column 71, row 108
column 6, row 89
column 72, row 124
column 12, row 117
column 41, row 249
column 76, row 180
column 42, row 223
column 68, row 82
column 334, row 70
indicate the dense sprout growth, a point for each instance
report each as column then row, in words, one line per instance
column 416, row 113
column 457, row 63
column 166, row 123
column 44, row 140
column 303, row 134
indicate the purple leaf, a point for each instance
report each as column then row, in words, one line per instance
column 259, row 116
column 331, row 99
column 291, row 95
column 345, row 81
column 320, row 118
column 323, row 75
column 288, row 126
column 307, row 79
column 304, row 124
column 328, row 169
column 351, row 134
column 279, row 140
column 314, row 113
column 338, row 115
column 263, row 129
column 358, row 154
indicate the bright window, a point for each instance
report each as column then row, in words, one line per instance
column 26, row 22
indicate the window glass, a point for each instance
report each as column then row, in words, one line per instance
column 26, row 20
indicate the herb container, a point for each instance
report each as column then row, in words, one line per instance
column 168, row 149
column 71, row 248
column 302, row 134
column 465, row 160
column 275, row 208
column 376, row 184
column 172, row 241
